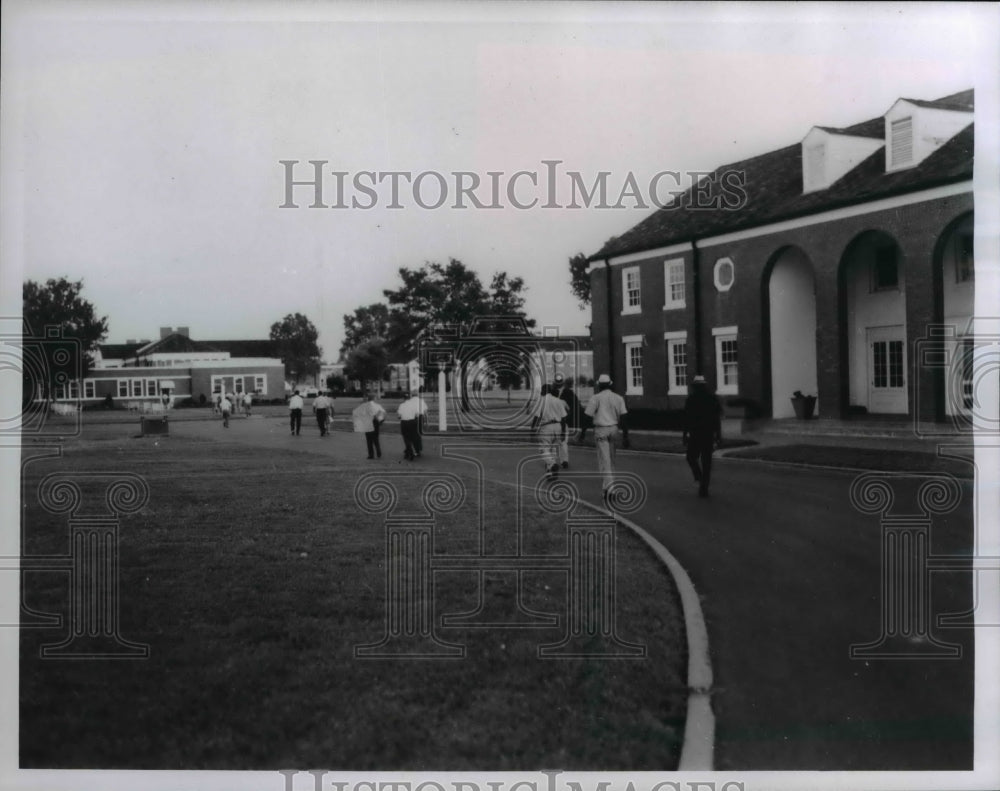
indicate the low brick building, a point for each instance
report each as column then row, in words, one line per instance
column 176, row 367
column 827, row 267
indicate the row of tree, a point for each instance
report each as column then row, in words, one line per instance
column 374, row 335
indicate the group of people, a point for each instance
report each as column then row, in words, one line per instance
column 227, row 403
column 559, row 414
column 367, row 418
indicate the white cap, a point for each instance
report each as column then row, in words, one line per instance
column 603, row 379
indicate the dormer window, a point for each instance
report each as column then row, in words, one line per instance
column 813, row 176
column 901, row 143
column 829, row 154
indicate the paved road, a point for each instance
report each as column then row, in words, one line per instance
column 789, row 574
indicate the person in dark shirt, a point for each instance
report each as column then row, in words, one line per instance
column 702, row 430
column 563, row 390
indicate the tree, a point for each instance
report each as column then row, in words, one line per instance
column 336, row 383
column 368, row 363
column 367, row 323
column 449, row 294
column 295, row 338
column 579, row 279
column 58, row 304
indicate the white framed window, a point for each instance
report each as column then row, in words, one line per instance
column 677, row 375
column 135, row 388
column 726, row 360
column 123, row 388
column 901, row 142
column 724, row 274
column 633, row 364
column 151, row 387
column 631, row 290
column 260, row 384
column 89, row 390
column 673, row 279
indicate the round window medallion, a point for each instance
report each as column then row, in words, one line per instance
column 725, row 274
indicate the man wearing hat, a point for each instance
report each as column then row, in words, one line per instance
column 702, row 430
column 607, row 411
column 549, row 422
column 562, row 389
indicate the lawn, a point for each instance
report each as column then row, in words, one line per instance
column 252, row 578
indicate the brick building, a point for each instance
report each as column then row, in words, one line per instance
column 177, row 367
column 822, row 267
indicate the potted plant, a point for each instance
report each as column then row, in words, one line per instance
column 804, row 405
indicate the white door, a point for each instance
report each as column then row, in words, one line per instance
column 887, row 370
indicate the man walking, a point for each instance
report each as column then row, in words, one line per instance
column 367, row 418
column 702, row 430
column 410, row 412
column 607, row 411
column 550, row 423
column 247, row 403
column 563, row 390
column 323, row 409
column 295, row 405
column 226, row 407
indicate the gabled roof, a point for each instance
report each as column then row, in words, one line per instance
column 175, row 343
column 963, row 101
column 119, row 351
column 773, row 187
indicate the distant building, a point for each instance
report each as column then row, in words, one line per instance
column 819, row 267
column 177, row 367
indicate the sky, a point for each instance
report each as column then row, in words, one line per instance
column 143, row 141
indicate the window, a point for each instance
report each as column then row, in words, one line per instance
column 123, row 388
column 726, row 360
column 633, row 364
column 677, row 378
column 136, row 387
column 725, row 274
column 673, row 278
column 888, row 363
column 260, row 384
column 885, row 269
column 151, row 387
column 89, row 390
column 965, row 269
column 901, row 142
column 631, row 300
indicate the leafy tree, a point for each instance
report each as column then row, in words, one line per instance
column 450, row 294
column 367, row 323
column 58, row 304
column 296, row 341
column 336, row 383
column 369, row 362
column 579, row 279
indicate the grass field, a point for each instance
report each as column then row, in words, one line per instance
column 253, row 579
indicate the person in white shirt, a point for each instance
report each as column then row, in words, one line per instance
column 410, row 412
column 295, row 404
column 367, row 418
column 549, row 423
column 247, row 403
column 323, row 409
column 607, row 411
column 226, row 406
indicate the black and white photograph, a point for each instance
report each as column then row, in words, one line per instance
column 484, row 396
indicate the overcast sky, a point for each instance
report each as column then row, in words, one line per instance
column 142, row 140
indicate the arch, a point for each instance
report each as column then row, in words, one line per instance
column 954, row 306
column 789, row 327
column 871, row 282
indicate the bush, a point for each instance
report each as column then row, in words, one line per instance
column 656, row 419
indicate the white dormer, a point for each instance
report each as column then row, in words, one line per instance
column 915, row 130
column 828, row 154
